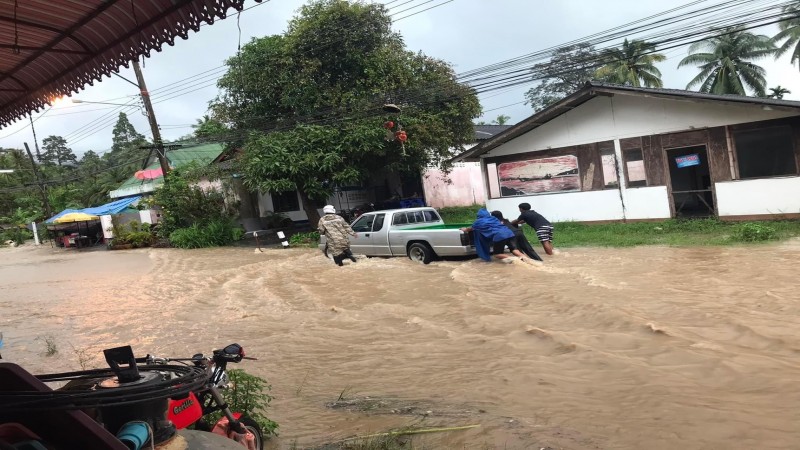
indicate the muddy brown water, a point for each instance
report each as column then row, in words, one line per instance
column 692, row 348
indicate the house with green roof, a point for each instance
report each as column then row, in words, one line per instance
column 202, row 154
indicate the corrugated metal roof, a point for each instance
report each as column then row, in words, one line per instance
column 593, row 89
column 483, row 132
column 53, row 48
column 201, row 154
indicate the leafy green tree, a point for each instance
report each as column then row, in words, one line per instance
column 313, row 110
column 632, row 64
column 209, row 129
column 56, row 152
column 90, row 164
column 567, row 71
column 778, row 92
column 725, row 62
column 126, row 144
column 789, row 33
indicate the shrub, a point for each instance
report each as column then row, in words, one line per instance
column 17, row 234
column 215, row 233
column 311, row 238
column 755, row 232
column 139, row 239
column 183, row 205
column 248, row 394
column 136, row 234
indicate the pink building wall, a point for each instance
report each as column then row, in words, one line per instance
column 464, row 189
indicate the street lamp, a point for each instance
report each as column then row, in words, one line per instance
column 6, row 170
column 75, row 100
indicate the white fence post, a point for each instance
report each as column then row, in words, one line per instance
column 35, row 233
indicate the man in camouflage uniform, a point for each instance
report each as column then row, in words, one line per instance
column 336, row 231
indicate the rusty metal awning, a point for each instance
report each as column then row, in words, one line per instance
column 52, row 48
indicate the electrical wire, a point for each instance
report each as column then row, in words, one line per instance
column 757, row 15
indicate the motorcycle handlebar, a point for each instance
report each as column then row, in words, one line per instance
column 221, row 354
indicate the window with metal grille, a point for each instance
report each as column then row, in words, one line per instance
column 768, row 152
column 285, row 201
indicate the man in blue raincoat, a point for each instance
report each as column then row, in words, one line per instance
column 490, row 234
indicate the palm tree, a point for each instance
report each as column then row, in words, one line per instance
column 790, row 32
column 726, row 65
column 778, row 92
column 502, row 119
column 633, row 64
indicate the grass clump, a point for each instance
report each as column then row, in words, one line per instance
column 50, row 346
column 460, row 214
column 310, row 239
column 755, row 232
column 215, row 233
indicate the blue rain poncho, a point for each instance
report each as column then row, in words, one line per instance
column 488, row 230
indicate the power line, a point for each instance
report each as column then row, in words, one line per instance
column 505, row 79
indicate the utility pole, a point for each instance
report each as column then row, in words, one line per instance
column 42, row 186
column 151, row 116
column 35, row 141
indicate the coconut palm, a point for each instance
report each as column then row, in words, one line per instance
column 778, row 92
column 725, row 62
column 633, row 64
column 790, row 32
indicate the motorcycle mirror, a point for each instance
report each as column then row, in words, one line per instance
column 233, row 349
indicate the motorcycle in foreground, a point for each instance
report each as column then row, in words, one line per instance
column 199, row 404
column 142, row 406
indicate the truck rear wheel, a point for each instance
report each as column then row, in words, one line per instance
column 421, row 252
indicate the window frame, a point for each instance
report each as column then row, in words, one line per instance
column 435, row 217
column 609, row 151
column 364, row 218
column 274, row 195
column 625, row 161
column 397, row 216
column 736, row 149
column 382, row 218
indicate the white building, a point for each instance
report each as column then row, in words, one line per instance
column 610, row 153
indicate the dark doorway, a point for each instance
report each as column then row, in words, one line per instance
column 691, row 182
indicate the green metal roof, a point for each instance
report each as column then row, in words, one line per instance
column 202, row 154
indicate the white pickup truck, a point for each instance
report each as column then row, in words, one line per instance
column 418, row 233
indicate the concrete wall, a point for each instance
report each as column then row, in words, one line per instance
column 465, row 186
column 624, row 116
column 646, row 203
column 566, row 207
column 757, row 197
column 265, row 204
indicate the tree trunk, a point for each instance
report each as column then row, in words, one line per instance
column 310, row 209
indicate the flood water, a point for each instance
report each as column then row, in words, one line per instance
column 658, row 348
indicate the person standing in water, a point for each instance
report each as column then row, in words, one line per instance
column 542, row 226
column 491, row 233
column 336, row 231
column 522, row 242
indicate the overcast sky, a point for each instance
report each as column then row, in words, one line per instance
column 467, row 33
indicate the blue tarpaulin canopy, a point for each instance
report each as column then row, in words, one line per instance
column 109, row 208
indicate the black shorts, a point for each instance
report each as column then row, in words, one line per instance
column 500, row 246
column 545, row 233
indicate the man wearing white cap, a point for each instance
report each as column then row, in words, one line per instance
column 336, row 231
